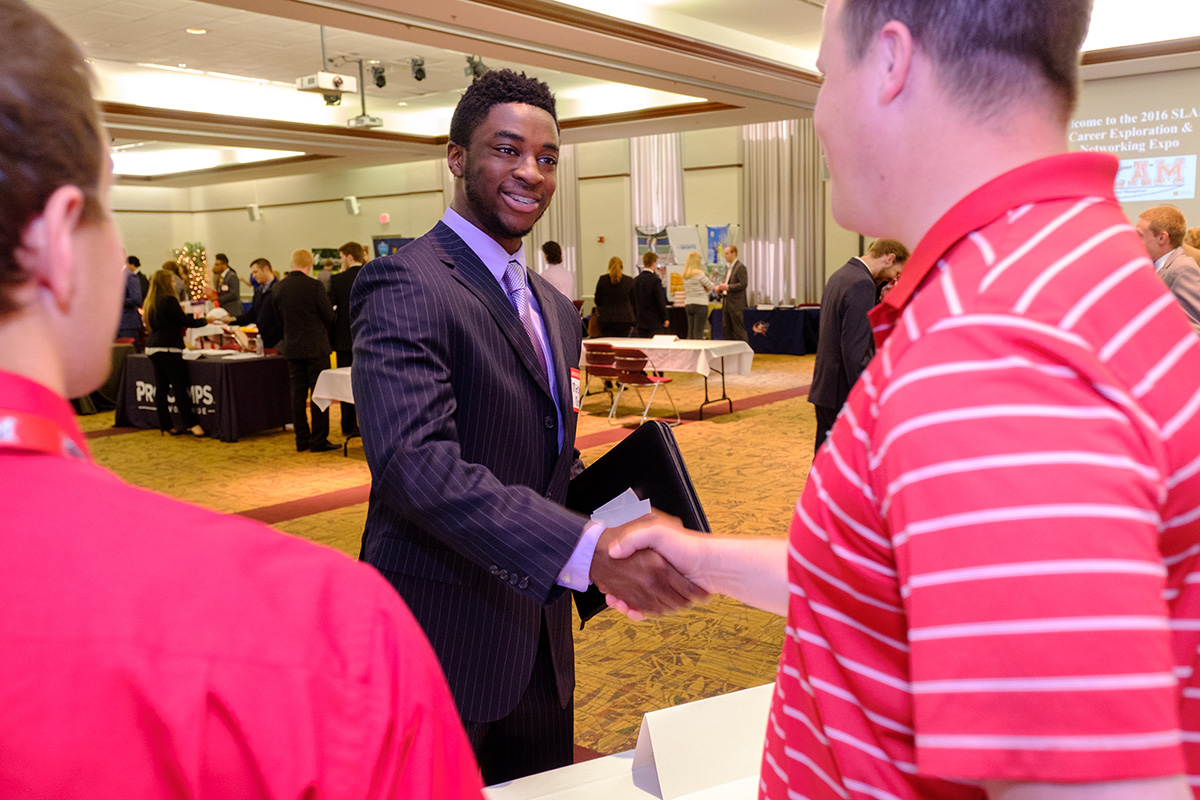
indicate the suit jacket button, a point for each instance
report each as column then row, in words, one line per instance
column 549, row 422
column 512, row 579
column 495, row 570
column 524, row 584
column 503, row 574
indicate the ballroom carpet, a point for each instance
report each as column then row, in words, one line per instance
column 748, row 468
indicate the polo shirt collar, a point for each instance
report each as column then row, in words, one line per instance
column 493, row 256
column 30, row 397
column 1061, row 176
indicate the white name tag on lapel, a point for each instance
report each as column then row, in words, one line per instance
column 575, row 389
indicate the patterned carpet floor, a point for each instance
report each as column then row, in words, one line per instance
column 748, row 466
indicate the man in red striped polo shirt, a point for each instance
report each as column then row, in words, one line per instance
column 991, row 580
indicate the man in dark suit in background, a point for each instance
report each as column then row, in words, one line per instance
column 733, row 294
column 340, row 283
column 299, row 313
column 134, row 264
column 229, row 290
column 649, row 299
column 844, row 345
column 467, row 403
column 131, row 320
column 264, row 282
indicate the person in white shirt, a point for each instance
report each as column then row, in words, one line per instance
column 558, row 275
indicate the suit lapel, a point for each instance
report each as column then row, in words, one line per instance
column 554, row 333
column 470, row 271
column 557, row 333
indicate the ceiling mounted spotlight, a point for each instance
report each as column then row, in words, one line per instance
column 332, row 99
column 475, row 67
column 418, row 69
column 377, row 74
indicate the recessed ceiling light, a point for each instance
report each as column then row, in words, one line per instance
column 182, row 65
column 197, row 31
column 402, row 103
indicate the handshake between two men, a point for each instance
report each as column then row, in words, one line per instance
column 653, row 565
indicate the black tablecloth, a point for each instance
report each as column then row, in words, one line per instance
column 787, row 331
column 230, row 398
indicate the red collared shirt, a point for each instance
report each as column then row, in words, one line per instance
column 149, row 648
column 992, row 564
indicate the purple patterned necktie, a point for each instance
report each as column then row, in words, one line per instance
column 514, row 284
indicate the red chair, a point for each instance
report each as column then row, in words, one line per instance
column 598, row 363
column 630, row 364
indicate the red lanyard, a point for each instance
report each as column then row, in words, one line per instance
column 22, row 431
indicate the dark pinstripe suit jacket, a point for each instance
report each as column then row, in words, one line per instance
column 459, row 429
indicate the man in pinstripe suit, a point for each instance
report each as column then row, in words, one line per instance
column 463, row 382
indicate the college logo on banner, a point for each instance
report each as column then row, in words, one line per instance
column 656, row 240
column 718, row 237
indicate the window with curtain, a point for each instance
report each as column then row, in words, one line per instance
column 656, row 183
column 783, row 240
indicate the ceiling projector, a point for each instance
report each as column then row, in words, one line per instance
column 327, row 83
column 364, row 121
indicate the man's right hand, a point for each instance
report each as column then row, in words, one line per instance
column 644, row 581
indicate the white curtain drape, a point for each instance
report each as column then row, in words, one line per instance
column 783, row 241
column 656, row 183
column 560, row 223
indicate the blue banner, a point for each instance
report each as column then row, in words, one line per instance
column 718, row 237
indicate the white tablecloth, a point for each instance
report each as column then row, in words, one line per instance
column 691, row 355
column 192, row 334
column 706, row 750
column 332, row 384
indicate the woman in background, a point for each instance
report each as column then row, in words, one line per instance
column 177, row 279
column 1192, row 238
column 614, row 300
column 696, row 288
column 165, row 320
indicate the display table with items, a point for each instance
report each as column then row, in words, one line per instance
column 702, row 356
column 783, row 331
column 233, row 394
column 707, row 750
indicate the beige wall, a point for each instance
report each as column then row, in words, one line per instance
column 603, row 169
column 297, row 211
column 840, row 244
column 307, row 210
column 712, row 177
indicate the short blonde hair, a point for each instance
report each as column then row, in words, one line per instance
column 302, row 259
column 1166, row 218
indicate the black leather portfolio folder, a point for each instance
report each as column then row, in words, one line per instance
column 647, row 461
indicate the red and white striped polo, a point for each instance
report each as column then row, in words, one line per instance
column 993, row 566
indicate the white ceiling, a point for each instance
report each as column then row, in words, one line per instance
column 247, row 44
column 750, row 61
